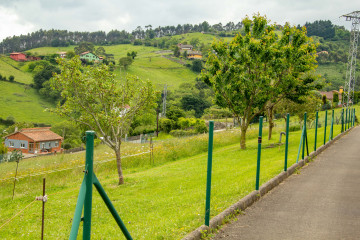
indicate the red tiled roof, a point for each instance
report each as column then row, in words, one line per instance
column 330, row 95
column 40, row 134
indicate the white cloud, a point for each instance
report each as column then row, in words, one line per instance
column 11, row 24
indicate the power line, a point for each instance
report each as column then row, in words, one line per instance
column 354, row 17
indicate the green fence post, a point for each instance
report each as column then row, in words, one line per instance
column 78, row 211
column 354, row 118
column 304, row 136
column 325, row 127
column 301, row 141
column 342, row 120
column 316, row 126
column 351, row 119
column 286, row 140
column 209, row 167
column 259, row 154
column 332, row 126
column 346, row 118
column 88, row 183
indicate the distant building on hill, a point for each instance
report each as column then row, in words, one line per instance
column 62, row 54
column 20, row 57
column 34, row 140
column 194, row 55
column 330, row 95
column 90, row 57
column 183, row 47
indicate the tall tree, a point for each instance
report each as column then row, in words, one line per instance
column 95, row 99
column 254, row 69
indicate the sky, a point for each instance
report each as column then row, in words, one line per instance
column 25, row 16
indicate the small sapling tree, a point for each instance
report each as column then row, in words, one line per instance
column 95, row 99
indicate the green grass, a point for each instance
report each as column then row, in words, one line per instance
column 161, row 201
column 10, row 67
column 24, row 104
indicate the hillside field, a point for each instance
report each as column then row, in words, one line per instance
column 160, row 200
column 24, row 104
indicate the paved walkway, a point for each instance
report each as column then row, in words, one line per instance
column 322, row 202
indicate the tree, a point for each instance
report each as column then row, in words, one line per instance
column 100, row 51
column 335, row 99
column 70, row 54
column 197, row 66
column 132, row 54
column 44, row 75
column 11, row 78
column 125, row 62
column 258, row 68
column 84, row 47
column 94, row 98
column 176, row 51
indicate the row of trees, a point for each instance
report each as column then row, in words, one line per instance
column 56, row 38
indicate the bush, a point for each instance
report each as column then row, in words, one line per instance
column 143, row 130
column 182, row 133
column 66, row 146
column 294, row 128
column 165, row 124
column 11, row 78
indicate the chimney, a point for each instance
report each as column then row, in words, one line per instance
column 16, row 129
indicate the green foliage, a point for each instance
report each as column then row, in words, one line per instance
column 174, row 113
column 321, row 28
column 176, row 51
column 259, row 67
column 70, row 54
column 96, row 100
column 84, row 47
column 11, row 78
column 125, row 62
column 70, row 131
column 335, row 98
column 193, row 102
column 165, row 124
column 197, row 66
column 100, row 51
column 132, row 54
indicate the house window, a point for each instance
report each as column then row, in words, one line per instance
column 11, row 143
column 56, row 144
column 22, row 145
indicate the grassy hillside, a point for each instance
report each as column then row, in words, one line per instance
column 10, row 67
column 160, row 201
column 24, row 104
column 334, row 74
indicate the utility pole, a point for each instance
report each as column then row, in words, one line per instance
column 164, row 101
column 351, row 66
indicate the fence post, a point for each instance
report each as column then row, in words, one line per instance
column 332, row 126
column 88, row 182
column 316, row 126
column 304, row 136
column 346, row 118
column 209, row 169
column 259, row 153
column 342, row 120
column 325, row 127
column 287, row 140
column 354, row 118
column 43, row 211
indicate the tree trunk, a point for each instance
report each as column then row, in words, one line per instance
column 244, row 127
column 270, row 113
column 118, row 164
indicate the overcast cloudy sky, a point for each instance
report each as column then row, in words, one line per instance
column 24, row 16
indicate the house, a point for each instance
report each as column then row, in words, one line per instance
column 90, row 57
column 20, row 57
column 330, row 95
column 194, row 55
column 185, row 47
column 62, row 54
column 34, row 140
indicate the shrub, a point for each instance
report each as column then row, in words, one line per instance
column 182, row 133
column 11, row 78
column 165, row 124
column 294, row 128
column 66, row 146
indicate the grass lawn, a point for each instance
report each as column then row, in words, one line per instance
column 10, row 67
column 165, row 200
column 24, row 104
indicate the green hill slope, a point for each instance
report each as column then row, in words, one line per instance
column 24, row 104
column 10, row 67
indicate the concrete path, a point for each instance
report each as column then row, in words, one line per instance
column 321, row 202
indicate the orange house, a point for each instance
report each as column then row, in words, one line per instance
column 34, row 140
column 20, row 57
